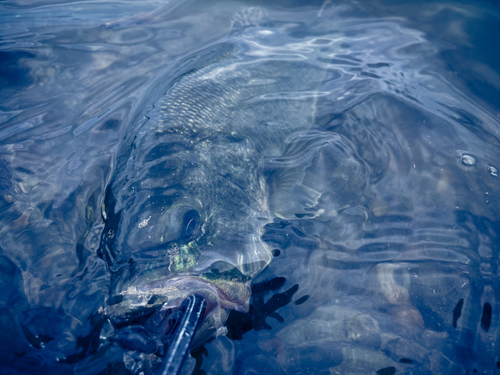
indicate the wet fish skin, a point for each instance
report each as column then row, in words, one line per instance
column 185, row 208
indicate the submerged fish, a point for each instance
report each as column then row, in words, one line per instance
column 189, row 197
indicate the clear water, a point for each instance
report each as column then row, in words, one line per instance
column 373, row 127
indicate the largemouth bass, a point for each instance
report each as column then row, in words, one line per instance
column 185, row 208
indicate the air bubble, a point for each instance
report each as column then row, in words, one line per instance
column 468, row 160
column 493, row 171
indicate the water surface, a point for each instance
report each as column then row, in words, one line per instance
column 381, row 188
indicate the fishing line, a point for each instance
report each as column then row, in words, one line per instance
column 192, row 310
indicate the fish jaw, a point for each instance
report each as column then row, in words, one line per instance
column 176, row 289
column 143, row 300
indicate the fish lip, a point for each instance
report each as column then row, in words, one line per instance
column 136, row 304
column 185, row 285
column 206, row 288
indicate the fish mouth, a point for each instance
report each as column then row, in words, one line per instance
column 138, row 303
column 147, row 317
column 179, row 287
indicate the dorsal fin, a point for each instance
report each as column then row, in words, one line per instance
column 249, row 17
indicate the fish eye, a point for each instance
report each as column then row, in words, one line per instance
column 190, row 223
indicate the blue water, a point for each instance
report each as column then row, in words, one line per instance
column 341, row 156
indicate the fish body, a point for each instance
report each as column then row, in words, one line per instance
column 185, row 208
